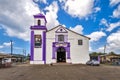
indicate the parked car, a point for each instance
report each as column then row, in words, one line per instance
column 93, row 63
column 116, row 63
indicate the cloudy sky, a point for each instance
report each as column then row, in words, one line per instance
column 97, row 19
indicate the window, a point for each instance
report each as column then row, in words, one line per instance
column 60, row 37
column 80, row 42
column 39, row 22
column 38, row 41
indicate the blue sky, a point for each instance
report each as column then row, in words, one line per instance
column 97, row 19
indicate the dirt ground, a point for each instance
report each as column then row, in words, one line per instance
column 60, row 72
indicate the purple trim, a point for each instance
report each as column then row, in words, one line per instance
column 40, row 16
column 54, row 47
column 61, row 31
column 38, row 27
column 68, row 53
column 44, row 47
column 53, row 55
column 32, row 46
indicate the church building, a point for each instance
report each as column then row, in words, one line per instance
column 57, row 45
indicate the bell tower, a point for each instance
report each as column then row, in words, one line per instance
column 38, row 40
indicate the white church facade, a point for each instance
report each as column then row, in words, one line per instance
column 57, row 45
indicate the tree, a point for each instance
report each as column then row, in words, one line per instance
column 112, row 53
column 97, row 53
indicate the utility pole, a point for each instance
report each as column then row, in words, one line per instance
column 104, row 53
column 24, row 54
column 11, row 47
column 104, row 48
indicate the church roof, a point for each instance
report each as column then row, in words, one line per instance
column 68, row 30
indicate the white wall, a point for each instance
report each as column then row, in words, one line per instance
column 50, row 38
column 79, row 53
column 37, row 51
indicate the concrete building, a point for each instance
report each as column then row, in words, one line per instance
column 57, row 45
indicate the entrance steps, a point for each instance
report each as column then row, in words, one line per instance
column 61, row 64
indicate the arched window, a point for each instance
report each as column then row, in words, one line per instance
column 61, row 38
column 39, row 22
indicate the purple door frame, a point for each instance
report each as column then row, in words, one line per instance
column 67, row 49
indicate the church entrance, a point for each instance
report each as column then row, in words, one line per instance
column 61, row 55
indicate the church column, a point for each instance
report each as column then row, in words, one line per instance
column 68, row 50
column 53, row 53
column 68, row 53
column 32, row 46
column 44, row 47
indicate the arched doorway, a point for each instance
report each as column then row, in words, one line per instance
column 61, row 54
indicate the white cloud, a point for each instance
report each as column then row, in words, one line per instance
column 78, row 29
column 116, row 12
column 114, row 2
column 97, row 9
column 101, row 49
column 78, row 8
column 17, row 17
column 113, row 42
column 51, row 15
column 63, row 25
column 113, row 26
column 42, row 1
column 114, row 37
column 35, row 0
column 1, row 47
column 62, row 1
column 90, row 48
column 104, row 22
column 5, row 44
column 31, row 8
column 95, row 36
column 110, row 26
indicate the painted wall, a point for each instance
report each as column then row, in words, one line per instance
column 50, row 38
column 79, row 53
column 37, row 58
